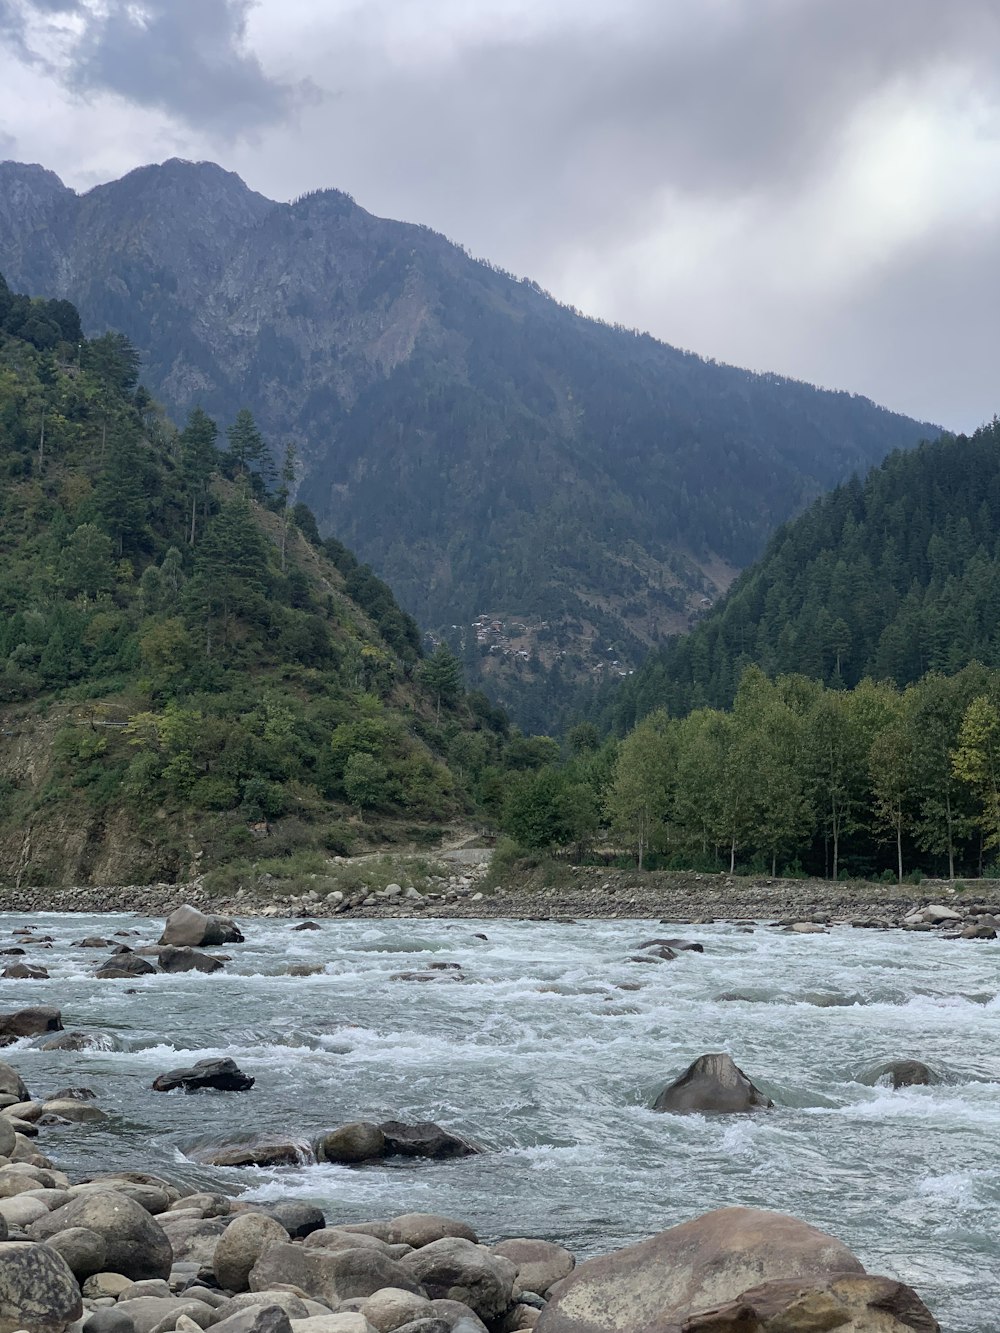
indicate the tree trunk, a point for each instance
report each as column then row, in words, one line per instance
column 732, row 855
column 194, row 507
column 899, row 847
column 774, row 865
column 951, row 844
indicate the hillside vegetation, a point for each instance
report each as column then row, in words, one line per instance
column 490, row 452
column 888, row 578
column 186, row 669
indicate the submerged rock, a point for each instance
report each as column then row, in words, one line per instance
column 257, row 1154
column 219, row 1075
column 713, row 1084
column 902, row 1074
column 173, row 958
column 123, row 967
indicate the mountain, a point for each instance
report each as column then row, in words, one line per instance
column 186, row 669
column 888, row 578
column 579, row 490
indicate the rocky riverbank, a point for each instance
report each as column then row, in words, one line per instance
column 584, row 892
column 133, row 1252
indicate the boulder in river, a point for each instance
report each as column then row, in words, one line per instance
column 359, row 1141
column 11, row 1083
column 175, row 958
column 29, row 1023
column 713, row 1084
column 425, row 1139
column 902, row 1074
column 220, row 1075
column 739, row 1269
column 256, row 1154
column 188, row 926
column 76, row 1041
column 297, row 1217
column 25, row 972
column 124, row 967
column 307, row 925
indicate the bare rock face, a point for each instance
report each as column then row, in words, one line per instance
column 190, row 928
column 37, row 1289
column 736, row 1270
column 712, row 1085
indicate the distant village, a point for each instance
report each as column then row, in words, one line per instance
column 516, row 643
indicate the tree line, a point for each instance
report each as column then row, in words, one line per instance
column 796, row 777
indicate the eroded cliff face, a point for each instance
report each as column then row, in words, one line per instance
column 487, row 449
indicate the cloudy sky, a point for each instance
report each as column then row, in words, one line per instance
column 806, row 186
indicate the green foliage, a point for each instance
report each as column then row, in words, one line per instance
column 891, row 579
column 210, row 667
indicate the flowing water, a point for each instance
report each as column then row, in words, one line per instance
column 541, row 1056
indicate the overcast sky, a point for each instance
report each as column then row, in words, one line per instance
column 805, row 186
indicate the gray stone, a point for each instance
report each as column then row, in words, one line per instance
column 218, row 1075
column 294, row 1306
column 11, row 1083
column 458, row 1316
column 297, row 1217
column 109, row 1320
column 387, row 1309
column 136, row 1245
column 149, row 1313
column 192, row 1239
column 8, row 1138
column 30, row 1022
column 359, row 1141
column 188, row 927
column 425, row 1139
column 455, row 1269
column 418, row 1229
column 713, row 1084
column 174, row 959
column 331, row 1276
column 240, row 1246
column 73, row 1110
column 540, row 1263
column 256, row 1319
column 38, row 1291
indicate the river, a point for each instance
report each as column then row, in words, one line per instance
column 538, row 1055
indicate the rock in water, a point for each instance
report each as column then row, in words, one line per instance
column 123, row 967
column 738, row 1269
column 221, row 1075
column 713, row 1084
column 173, row 958
column 424, row 1140
column 360, row 1141
column 903, row 1074
column 29, row 1023
column 37, row 1289
column 188, row 926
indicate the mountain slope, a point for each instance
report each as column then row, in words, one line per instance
column 183, row 669
column 486, row 449
column 889, row 578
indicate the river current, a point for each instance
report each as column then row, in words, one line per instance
column 538, row 1055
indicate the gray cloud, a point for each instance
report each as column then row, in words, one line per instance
column 188, row 58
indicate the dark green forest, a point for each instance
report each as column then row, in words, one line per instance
column 888, row 578
column 183, row 660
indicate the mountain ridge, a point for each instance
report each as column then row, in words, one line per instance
column 485, row 448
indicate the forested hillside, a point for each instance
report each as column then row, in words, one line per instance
column 887, row 578
column 493, row 454
column 185, row 667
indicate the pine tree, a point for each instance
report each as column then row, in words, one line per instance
column 198, row 456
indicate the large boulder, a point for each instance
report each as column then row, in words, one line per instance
column 84, row 1250
column 136, row 1245
column 454, row 1269
column 175, row 959
column 193, row 1239
column 257, row 1154
column 296, row 1216
column 240, row 1246
column 11, row 1083
column 540, row 1263
column 425, row 1139
column 37, row 1289
column 29, row 1023
column 665, row 1283
column 359, row 1141
column 329, row 1275
column 390, row 1308
column 846, row 1304
column 713, row 1084
column 188, row 927
column 419, row 1229
column 220, row 1075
